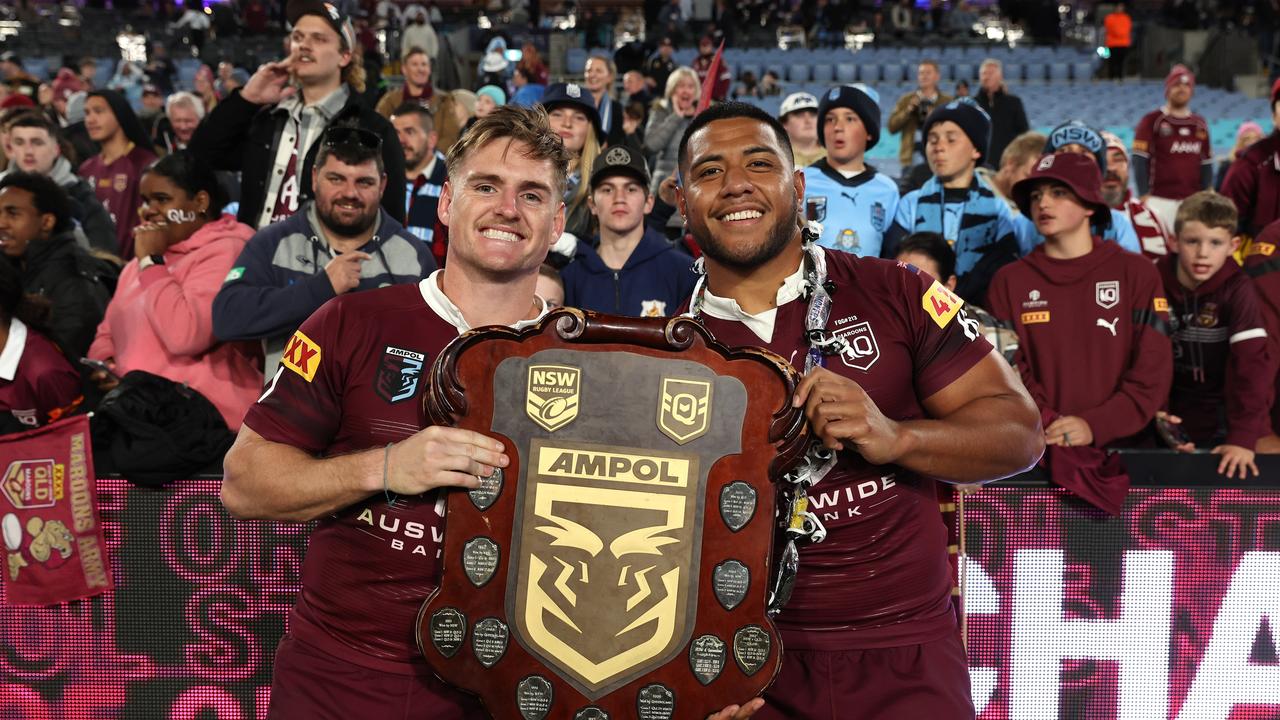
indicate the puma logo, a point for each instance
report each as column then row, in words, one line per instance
column 1108, row 325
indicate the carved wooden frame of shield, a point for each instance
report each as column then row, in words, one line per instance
column 620, row 568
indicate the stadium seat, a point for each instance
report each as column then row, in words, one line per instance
column 847, row 72
column 895, row 72
column 963, row 71
column 576, row 61
column 798, row 73
column 869, row 73
column 1059, row 72
column 824, row 72
column 1082, row 71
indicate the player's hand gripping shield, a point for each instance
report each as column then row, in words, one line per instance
column 619, row 567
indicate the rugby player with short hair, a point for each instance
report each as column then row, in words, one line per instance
column 338, row 436
column 910, row 392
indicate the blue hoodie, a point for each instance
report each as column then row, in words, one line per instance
column 279, row 278
column 656, row 279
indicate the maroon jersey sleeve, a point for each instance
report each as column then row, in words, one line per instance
column 1251, row 369
column 1144, row 133
column 946, row 342
column 1143, row 388
column 56, row 385
column 302, row 403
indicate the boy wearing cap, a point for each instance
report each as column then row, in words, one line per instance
column 1172, row 155
column 853, row 202
column 799, row 115
column 268, row 130
column 958, row 203
column 632, row 269
column 1153, row 238
column 1074, row 136
column 1253, row 182
column 1223, row 369
column 1091, row 322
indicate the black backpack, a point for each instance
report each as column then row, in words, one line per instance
column 153, row 431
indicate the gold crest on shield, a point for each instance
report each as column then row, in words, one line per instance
column 685, row 408
column 552, row 396
column 605, row 582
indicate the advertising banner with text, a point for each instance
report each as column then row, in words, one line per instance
column 1171, row 611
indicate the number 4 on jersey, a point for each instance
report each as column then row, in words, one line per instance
column 941, row 303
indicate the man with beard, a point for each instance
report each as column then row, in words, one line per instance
column 340, row 242
column 425, row 177
column 268, row 130
column 338, row 436
column 1155, row 241
column 898, row 383
column 1172, row 153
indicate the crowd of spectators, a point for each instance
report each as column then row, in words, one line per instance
column 188, row 231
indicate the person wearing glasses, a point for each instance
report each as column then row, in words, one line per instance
column 269, row 130
column 337, row 243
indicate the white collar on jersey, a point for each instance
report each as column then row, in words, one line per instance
column 762, row 323
column 13, row 348
column 441, row 305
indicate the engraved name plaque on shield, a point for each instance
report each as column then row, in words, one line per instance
column 619, row 566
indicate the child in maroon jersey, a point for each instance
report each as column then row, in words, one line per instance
column 1222, row 363
column 1262, row 264
column 1090, row 319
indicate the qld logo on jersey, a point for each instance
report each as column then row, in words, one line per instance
column 1107, row 294
column 860, row 350
column 399, row 371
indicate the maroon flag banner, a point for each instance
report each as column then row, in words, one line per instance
column 53, row 542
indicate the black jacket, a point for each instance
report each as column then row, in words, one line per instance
column 241, row 136
column 1008, row 121
column 77, row 284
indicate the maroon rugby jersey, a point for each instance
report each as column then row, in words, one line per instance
column 1176, row 148
column 37, row 384
column 116, row 185
column 1262, row 264
column 1092, row 336
column 352, row 378
column 881, row 578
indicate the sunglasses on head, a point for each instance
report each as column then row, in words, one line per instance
column 345, row 135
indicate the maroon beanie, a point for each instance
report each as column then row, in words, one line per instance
column 1179, row 74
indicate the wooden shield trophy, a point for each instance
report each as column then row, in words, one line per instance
column 619, row 567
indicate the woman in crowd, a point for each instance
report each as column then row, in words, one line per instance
column 1248, row 133
column 667, row 121
column 573, row 115
column 161, row 318
column 535, row 71
column 203, row 85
